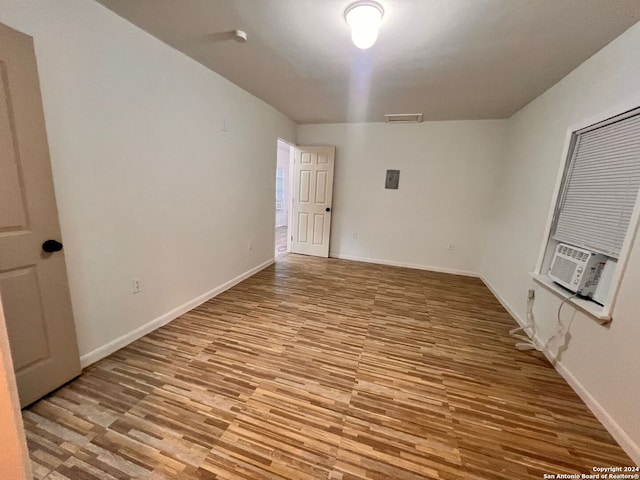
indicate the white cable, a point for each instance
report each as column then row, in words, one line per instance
column 526, row 342
column 561, row 330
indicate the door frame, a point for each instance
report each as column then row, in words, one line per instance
column 290, row 211
column 290, row 199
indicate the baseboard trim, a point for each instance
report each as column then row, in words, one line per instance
column 617, row 432
column 107, row 349
column 401, row 264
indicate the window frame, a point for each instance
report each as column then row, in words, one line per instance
column 600, row 313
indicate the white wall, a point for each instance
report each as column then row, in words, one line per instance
column 601, row 361
column 447, row 174
column 148, row 184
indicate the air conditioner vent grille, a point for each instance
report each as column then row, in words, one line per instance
column 563, row 269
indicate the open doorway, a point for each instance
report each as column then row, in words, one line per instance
column 283, row 198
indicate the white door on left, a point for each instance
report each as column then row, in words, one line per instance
column 33, row 282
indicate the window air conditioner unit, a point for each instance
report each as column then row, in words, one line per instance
column 577, row 269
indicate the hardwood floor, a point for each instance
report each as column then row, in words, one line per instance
column 317, row 368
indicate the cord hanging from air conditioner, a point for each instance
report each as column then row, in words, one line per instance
column 528, row 343
column 562, row 330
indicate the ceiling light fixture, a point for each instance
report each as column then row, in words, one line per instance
column 364, row 18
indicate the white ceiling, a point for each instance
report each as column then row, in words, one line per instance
column 449, row 59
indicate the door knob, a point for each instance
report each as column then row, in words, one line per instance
column 327, row 209
column 51, row 246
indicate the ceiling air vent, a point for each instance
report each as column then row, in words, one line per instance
column 403, row 117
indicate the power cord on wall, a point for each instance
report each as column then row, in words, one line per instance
column 561, row 331
column 527, row 343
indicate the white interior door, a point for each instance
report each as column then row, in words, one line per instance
column 312, row 191
column 33, row 282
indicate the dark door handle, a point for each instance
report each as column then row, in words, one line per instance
column 51, row 246
column 327, row 209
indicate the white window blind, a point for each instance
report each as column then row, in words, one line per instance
column 601, row 187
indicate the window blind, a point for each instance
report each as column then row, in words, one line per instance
column 601, row 186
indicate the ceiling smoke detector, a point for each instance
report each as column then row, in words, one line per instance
column 403, row 117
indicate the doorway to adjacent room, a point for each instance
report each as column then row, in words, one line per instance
column 283, row 199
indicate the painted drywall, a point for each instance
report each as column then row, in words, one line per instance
column 14, row 459
column 603, row 361
column 163, row 170
column 448, row 171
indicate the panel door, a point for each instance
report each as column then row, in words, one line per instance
column 312, row 192
column 33, row 283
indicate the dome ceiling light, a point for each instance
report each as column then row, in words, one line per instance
column 364, row 18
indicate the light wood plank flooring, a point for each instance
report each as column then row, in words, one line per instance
column 330, row 369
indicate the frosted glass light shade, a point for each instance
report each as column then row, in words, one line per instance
column 364, row 19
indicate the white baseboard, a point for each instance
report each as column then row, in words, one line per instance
column 401, row 264
column 107, row 349
column 617, row 432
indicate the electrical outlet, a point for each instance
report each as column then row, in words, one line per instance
column 531, row 293
column 137, row 285
column 355, row 235
column 451, row 247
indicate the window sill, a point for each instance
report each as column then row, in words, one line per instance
column 600, row 313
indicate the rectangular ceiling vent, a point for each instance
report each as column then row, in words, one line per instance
column 403, row 117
